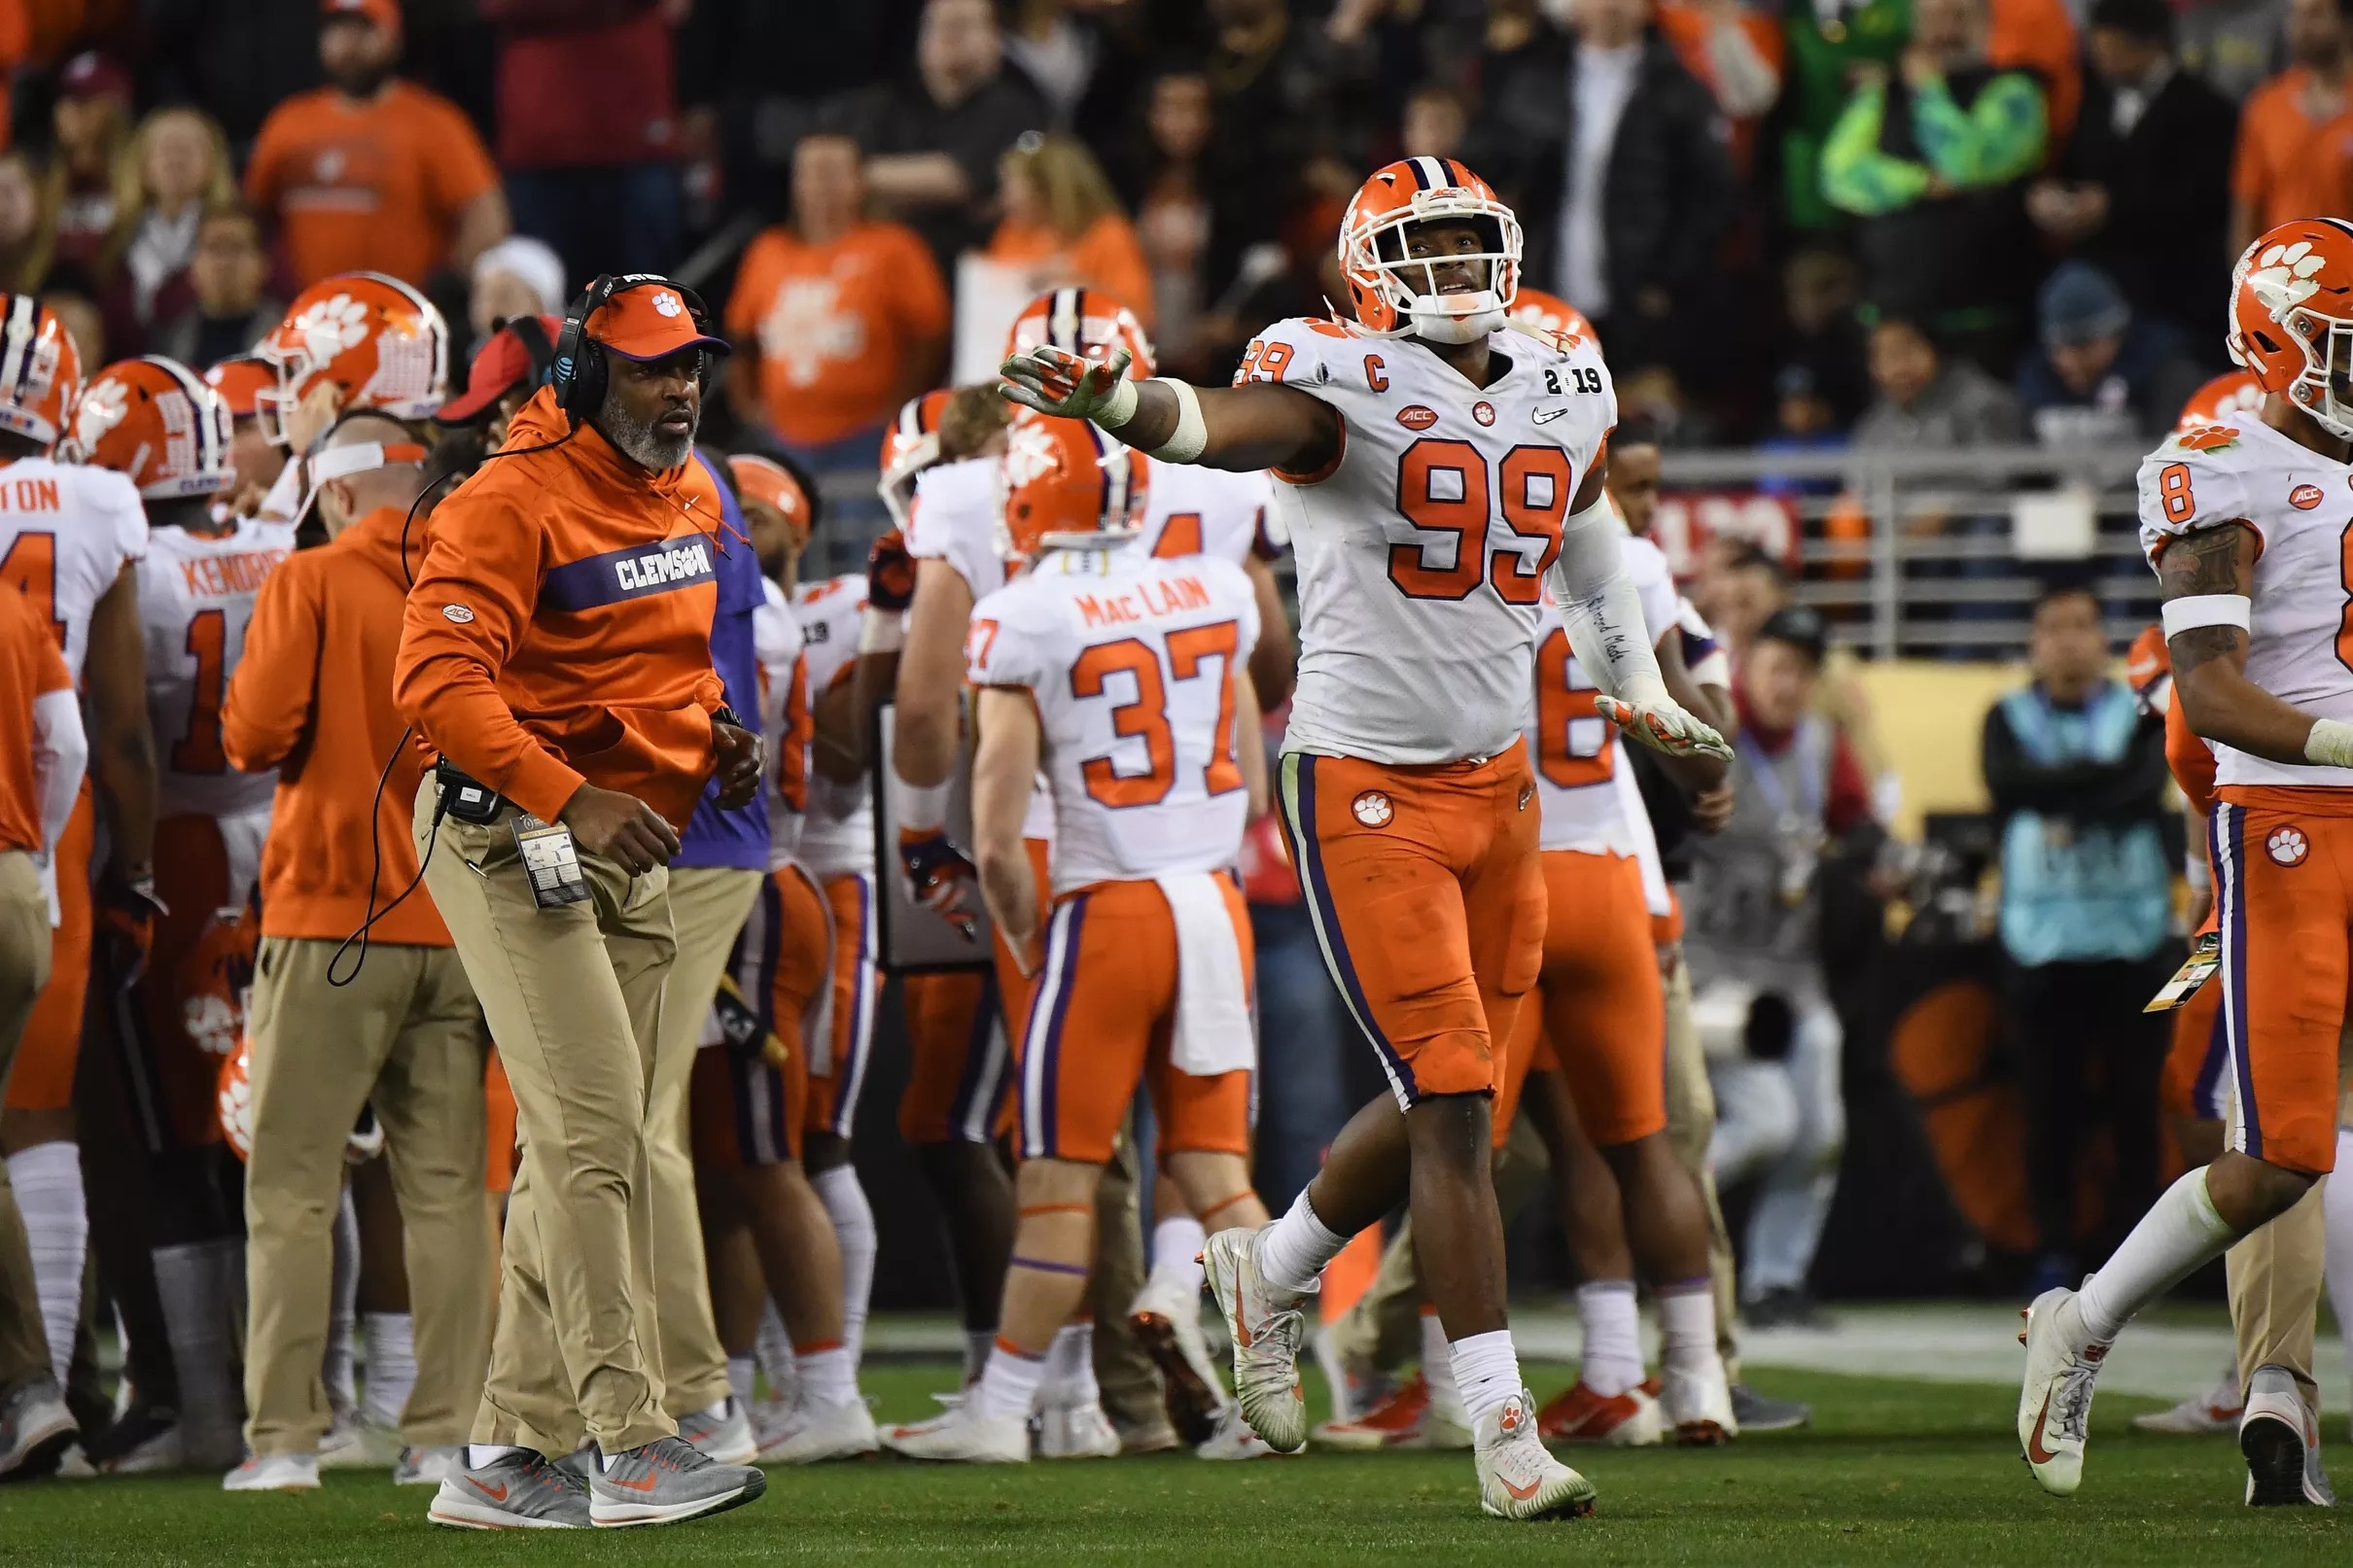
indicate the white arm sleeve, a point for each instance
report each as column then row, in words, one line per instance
column 1602, row 609
column 61, row 753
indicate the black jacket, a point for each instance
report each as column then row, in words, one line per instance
column 2168, row 199
column 1668, row 189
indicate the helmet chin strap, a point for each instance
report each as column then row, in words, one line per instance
column 1446, row 326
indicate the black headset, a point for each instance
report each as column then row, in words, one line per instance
column 579, row 372
column 536, row 347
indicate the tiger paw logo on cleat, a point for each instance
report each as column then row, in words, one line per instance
column 1373, row 809
column 2287, row 845
column 1513, row 1415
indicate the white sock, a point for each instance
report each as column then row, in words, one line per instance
column 773, row 1351
column 1612, row 1361
column 826, row 1376
column 2180, row 1231
column 1438, row 1366
column 479, row 1454
column 1177, row 1243
column 392, row 1366
column 1010, row 1382
column 853, row 1219
column 978, row 1342
column 743, row 1375
column 335, row 1370
column 1294, row 1251
column 48, row 1179
column 2337, row 1204
column 1069, row 1380
column 1487, row 1369
column 191, row 1281
column 1687, row 1326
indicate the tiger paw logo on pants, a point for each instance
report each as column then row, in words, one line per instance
column 2287, row 845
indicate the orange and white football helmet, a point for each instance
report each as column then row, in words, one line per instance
column 1086, row 322
column 375, row 337
column 1063, row 483
column 910, row 445
column 1394, row 295
column 232, row 1098
column 1542, row 313
column 153, row 421
column 2222, row 400
column 40, row 371
column 240, row 379
column 2292, row 318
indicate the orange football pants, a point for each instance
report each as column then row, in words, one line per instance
column 748, row 1112
column 43, row 1077
column 832, row 1098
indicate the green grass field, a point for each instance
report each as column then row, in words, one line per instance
column 1890, row 1473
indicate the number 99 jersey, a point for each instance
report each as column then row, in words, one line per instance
column 2300, row 505
column 1421, row 545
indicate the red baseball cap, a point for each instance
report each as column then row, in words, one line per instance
column 92, row 74
column 650, row 321
column 770, row 483
column 502, row 362
column 238, row 378
column 385, row 14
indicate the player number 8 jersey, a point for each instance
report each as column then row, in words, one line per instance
column 1423, row 543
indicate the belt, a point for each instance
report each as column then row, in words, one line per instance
column 466, row 797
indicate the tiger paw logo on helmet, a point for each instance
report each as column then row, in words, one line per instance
column 331, row 326
column 2283, row 275
column 2287, row 845
column 103, row 407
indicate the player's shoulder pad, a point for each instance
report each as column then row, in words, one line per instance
column 2202, row 478
column 1645, row 562
column 773, row 595
column 1299, row 351
column 1551, row 345
column 947, row 498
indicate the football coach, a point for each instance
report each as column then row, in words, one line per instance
column 557, row 654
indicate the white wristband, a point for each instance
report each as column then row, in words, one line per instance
column 882, row 631
column 1115, row 414
column 1184, row 444
column 923, row 808
column 2331, row 744
column 2207, row 609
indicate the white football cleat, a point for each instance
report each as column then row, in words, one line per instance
column 1234, row 1440
column 820, row 1432
column 1696, row 1403
column 962, row 1436
column 1267, row 1327
column 429, row 1467
column 353, row 1442
column 1076, row 1432
column 723, row 1439
column 2280, row 1438
column 1167, row 1319
column 2217, row 1409
column 2054, row 1400
column 1445, row 1427
column 274, row 1473
column 1519, row 1478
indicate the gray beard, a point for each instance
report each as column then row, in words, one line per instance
column 637, row 441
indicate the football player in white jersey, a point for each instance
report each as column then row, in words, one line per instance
column 156, row 424
column 2246, row 524
column 1435, row 465
column 1119, row 674
column 70, row 540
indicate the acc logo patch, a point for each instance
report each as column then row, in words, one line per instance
column 1484, row 413
column 2287, row 845
column 1417, row 416
column 1372, row 809
column 2304, row 497
column 458, row 613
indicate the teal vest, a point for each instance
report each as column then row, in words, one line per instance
column 2079, row 893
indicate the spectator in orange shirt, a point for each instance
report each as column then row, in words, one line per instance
column 368, row 173
column 1062, row 220
column 2295, row 141
column 837, row 319
column 1737, row 52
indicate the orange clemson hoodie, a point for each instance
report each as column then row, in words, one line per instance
column 559, row 631
column 312, row 698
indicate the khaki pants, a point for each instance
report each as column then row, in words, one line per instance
column 406, row 1036
column 2275, row 1278
column 573, row 996
column 708, row 905
column 24, row 951
column 1691, row 1124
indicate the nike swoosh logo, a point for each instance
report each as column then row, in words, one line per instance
column 497, row 1494
column 1523, row 1493
column 2035, row 1452
column 646, row 1486
column 1241, row 1330
column 1545, row 416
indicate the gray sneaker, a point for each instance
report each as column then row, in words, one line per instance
column 726, row 1436
column 518, row 1491
column 1761, row 1412
column 429, row 1467
column 35, row 1429
column 667, row 1482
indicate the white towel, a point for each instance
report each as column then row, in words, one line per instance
column 1212, row 1035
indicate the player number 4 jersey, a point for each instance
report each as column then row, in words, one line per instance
column 1133, row 663
column 2300, row 646
column 1422, row 546
column 195, row 597
column 1574, row 750
column 66, row 534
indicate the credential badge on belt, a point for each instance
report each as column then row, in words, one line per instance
column 2204, row 960
column 551, row 861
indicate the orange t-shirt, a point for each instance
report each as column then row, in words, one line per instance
column 1687, row 29
column 837, row 324
column 30, row 668
column 367, row 186
column 2039, row 35
column 2289, row 165
column 1106, row 257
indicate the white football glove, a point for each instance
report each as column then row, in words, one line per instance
column 1055, row 381
column 1664, row 727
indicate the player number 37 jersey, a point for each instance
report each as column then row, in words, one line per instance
column 1134, row 664
column 2300, row 645
column 1422, row 546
